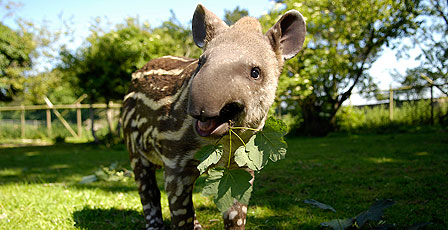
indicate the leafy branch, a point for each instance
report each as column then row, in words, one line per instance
column 229, row 184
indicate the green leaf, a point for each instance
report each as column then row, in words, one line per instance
column 228, row 185
column 374, row 213
column 267, row 144
column 319, row 204
column 339, row 224
column 255, row 153
column 274, row 144
column 208, row 156
column 242, row 158
column 212, row 182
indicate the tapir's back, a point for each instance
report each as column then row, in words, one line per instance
column 154, row 110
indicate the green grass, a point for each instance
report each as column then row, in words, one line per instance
column 39, row 185
column 406, row 115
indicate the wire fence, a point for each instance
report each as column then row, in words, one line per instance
column 75, row 120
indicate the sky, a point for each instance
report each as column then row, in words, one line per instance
column 83, row 12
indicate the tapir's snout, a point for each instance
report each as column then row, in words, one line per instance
column 213, row 114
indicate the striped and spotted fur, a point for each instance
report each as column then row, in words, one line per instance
column 176, row 105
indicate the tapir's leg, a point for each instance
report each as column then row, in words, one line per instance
column 145, row 177
column 179, row 187
column 235, row 216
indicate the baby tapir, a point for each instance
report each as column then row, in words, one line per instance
column 176, row 105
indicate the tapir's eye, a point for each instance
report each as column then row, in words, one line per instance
column 255, row 73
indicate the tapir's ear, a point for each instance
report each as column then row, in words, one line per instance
column 206, row 25
column 288, row 34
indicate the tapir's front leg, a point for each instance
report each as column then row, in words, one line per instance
column 235, row 217
column 179, row 187
column 145, row 177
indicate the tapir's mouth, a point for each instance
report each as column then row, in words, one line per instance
column 219, row 125
column 212, row 127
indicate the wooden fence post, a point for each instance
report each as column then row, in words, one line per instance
column 391, row 104
column 432, row 105
column 79, row 119
column 22, row 122
column 49, row 122
column 59, row 116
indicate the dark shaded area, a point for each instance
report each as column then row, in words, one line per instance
column 57, row 163
column 98, row 218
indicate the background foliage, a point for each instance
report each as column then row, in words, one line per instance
column 344, row 38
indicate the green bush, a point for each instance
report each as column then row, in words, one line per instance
column 376, row 118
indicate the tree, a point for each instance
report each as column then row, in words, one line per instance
column 230, row 17
column 344, row 38
column 15, row 59
column 431, row 39
column 49, row 84
column 102, row 68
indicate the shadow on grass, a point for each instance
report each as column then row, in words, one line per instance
column 108, row 186
column 98, row 218
column 109, row 219
column 60, row 163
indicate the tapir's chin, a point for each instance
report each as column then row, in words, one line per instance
column 211, row 128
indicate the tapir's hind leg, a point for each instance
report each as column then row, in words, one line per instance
column 145, row 177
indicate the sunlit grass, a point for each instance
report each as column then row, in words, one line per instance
column 39, row 186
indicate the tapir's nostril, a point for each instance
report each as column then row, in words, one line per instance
column 202, row 116
column 231, row 110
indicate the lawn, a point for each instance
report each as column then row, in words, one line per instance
column 39, row 186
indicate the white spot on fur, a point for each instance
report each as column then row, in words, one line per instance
column 244, row 209
column 147, row 206
column 239, row 222
column 178, row 212
column 133, row 162
column 189, row 220
column 173, row 199
column 181, row 223
column 232, row 214
column 186, row 201
column 137, row 75
column 168, row 179
column 154, row 211
column 180, row 187
column 144, row 161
